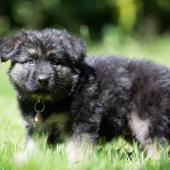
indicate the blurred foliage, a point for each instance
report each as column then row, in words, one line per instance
column 90, row 18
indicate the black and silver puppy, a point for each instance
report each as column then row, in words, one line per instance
column 62, row 93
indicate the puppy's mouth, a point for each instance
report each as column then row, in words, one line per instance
column 45, row 94
column 41, row 92
column 42, row 95
column 56, row 93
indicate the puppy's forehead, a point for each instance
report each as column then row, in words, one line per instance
column 42, row 52
column 43, row 44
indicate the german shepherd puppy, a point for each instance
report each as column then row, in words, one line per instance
column 61, row 92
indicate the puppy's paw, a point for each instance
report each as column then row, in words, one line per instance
column 74, row 153
column 78, row 152
column 153, row 152
column 20, row 158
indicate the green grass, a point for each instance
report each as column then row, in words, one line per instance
column 116, row 155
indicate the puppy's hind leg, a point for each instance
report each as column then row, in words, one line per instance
column 140, row 129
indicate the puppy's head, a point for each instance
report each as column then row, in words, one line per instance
column 44, row 63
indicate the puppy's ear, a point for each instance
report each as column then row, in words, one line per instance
column 8, row 48
column 75, row 47
column 78, row 49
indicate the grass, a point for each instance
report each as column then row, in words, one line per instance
column 116, row 155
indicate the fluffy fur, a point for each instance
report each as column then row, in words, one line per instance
column 86, row 97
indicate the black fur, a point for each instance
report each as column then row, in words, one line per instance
column 100, row 95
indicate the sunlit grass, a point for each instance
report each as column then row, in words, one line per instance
column 118, row 155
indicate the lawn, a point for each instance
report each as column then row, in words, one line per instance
column 117, row 155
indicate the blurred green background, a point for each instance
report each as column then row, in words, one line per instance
column 92, row 19
column 138, row 28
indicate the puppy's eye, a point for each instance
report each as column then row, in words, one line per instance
column 55, row 62
column 31, row 61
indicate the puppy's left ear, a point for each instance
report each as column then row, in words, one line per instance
column 8, row 48
column 78, row 49
column 74, row 47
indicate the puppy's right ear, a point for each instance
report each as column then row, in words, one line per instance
column 8, row 48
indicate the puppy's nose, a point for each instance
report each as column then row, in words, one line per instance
column 43, row 80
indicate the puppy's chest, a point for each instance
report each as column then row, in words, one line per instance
column 55, row 123
column 54, row 118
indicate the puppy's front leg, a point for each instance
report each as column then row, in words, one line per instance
column 82, row 141
column 29, row 149
column 79, row 148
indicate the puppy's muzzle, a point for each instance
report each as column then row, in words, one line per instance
column 43, row 80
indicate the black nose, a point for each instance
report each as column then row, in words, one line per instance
column 43, row 80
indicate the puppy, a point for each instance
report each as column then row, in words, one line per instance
column 64, row 94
